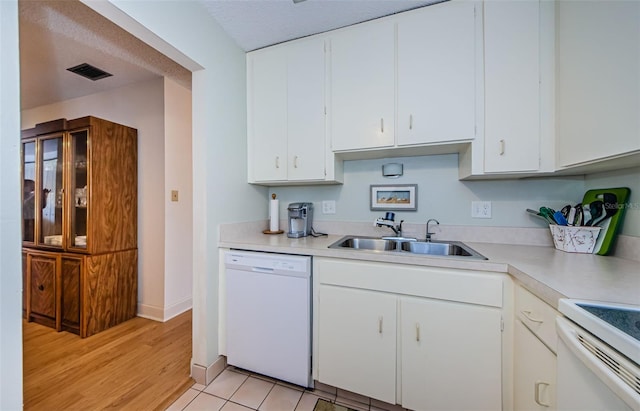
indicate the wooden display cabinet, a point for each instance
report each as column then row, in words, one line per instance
column 79, row 224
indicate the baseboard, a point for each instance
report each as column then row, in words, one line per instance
column 205, row 375
column 164, row 314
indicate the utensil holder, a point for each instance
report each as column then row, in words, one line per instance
column 574, row 239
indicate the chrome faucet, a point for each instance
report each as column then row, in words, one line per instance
column 384, row 222
column 429, row 234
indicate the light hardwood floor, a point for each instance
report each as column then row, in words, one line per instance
column 137, row 365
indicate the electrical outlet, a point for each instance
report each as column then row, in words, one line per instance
column 328, row 207
column 481, row 209
column 174, row 195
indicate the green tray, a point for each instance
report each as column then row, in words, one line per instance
column 611, row 226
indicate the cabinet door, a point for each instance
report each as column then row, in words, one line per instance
column 50, row 194
column 42, row 286
column 357, row 341
column 598, row 69
column 267, row 114
column 306, row 110
column 28, row 153
column 534, row 372
column 437, row 74
column 451, row 355
column 512, row 76
column 362, row 86
column 71, row 270
column 80, row 189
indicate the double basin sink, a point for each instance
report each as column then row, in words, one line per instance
column 409, row 246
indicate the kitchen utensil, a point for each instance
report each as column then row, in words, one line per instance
column 611, row 225
column 560, row 218
column 577, row 218
column 536, row 214
column 547, row 213
column 596, row 209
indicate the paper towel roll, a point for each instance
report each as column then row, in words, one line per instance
column 274, row 224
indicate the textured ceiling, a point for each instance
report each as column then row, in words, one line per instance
column 258, row 23
column 58, row 34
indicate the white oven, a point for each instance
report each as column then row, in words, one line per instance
column 598, row 356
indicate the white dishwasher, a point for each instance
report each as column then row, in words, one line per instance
column 269, row 314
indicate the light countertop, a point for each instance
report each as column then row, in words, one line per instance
column 548, row 273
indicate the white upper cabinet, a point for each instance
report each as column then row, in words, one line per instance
column 512, row 86
column 267, row 114
column 598, row 69
column 286, row 114
column 362, row 86
column 436, row 81
column 306, row 110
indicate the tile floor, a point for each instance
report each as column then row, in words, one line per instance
column 240, row 390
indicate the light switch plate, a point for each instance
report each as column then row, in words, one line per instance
column 174, row 195
column 481, row 209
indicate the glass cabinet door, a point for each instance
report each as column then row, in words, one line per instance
column 50, row 198
column 80, row 189
column 29, row 191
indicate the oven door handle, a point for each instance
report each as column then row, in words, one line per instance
column 571, row 334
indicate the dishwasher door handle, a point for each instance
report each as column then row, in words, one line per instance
column 262, row 269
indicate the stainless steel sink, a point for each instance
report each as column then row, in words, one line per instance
column 440, row 248
column 408, row 246
column 365, row 243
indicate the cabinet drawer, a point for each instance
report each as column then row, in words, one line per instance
column 465, row 286
column 538, row 316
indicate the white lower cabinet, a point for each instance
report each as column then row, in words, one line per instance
column 534, row 371
column 358, row 341
column 426, row 338
column 535, row 343
column 451, row 355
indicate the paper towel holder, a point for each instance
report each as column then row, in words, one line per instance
column 268, row 231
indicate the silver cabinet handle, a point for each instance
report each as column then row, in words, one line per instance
column 277, row 161
column 538, row 390
column 417, row 332
column 295, row 161
column 382, row 125
column 528, row 316
column 380, row 325
column 501, row 147
column 410, row 121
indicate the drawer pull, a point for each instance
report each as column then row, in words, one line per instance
column 501, row 147
column 417, row 332
column 528, row 316
column 410, row 121
column 538, row 390
column 277, row 162
column 380, row 325
column 382, row 125
column 295, row 162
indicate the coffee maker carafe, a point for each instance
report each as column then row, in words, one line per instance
column 300, row 218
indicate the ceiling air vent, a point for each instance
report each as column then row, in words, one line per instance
column 90, row 72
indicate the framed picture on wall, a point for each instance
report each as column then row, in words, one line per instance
column 400, row 197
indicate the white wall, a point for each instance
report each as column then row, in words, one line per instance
column 10, row 260
column 185, row 32
column 178, row 215
column 141, row 106
column 440, row 194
